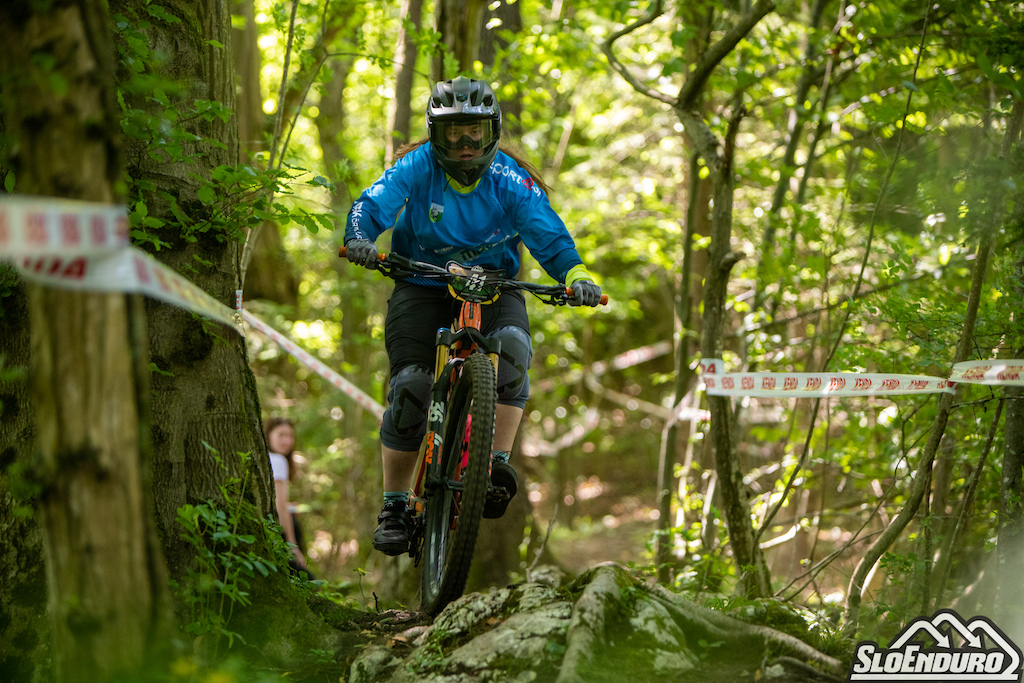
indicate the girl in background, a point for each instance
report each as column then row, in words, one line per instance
column 280, row 433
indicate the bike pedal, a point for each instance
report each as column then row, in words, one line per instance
column 497, row 502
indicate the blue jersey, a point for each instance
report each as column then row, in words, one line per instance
column 482, row 226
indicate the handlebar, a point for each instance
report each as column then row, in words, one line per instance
column 400, row 268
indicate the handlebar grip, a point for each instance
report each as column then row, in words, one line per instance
column 569, row 293
column 343, row 253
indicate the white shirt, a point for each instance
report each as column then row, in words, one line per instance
column 279, row 466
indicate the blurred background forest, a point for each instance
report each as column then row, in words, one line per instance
column 866, row 164
column 802, row 186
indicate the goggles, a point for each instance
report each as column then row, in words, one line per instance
column 455, row 135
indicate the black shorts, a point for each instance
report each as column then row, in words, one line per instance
column 416, row 312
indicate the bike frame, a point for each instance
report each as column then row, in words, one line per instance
column 453, row 347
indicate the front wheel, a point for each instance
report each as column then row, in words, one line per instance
column 455, row 502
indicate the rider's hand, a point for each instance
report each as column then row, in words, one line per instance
column 585, row 293
column 361, row 252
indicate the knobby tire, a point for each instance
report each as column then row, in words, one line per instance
column 448, row 552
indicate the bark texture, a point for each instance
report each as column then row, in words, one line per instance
column 105, row 577
column 400, row 107
column 205, row 408
column 24, row 628
column 460, row 23
column 717, row 155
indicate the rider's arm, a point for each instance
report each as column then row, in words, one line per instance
column 544, row 233
column 379, row 205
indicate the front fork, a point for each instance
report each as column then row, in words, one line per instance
column 452, row 348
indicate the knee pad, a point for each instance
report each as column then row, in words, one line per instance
column 405, row 420
column 513, row 365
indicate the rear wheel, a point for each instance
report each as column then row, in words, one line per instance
column 455, row 502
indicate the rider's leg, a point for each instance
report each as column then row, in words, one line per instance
column 398, row 468
column 506, row 424
column 513, row 390
column 401, row 431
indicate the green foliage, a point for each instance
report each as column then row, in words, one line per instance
column 896, row 606
column 227, row 200
column 227, row 559
column 620, row 166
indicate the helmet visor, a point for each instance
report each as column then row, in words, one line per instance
column 455, row 136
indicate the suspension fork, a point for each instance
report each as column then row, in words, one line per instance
column 450, row 345
column 471, row 317
column 430, row 447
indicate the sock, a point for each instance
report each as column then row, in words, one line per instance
column 499, row 456
column 396, row 497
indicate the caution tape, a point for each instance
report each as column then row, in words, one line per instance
column 1009, row 372
column 84, row 246
column 31, row 226
column 821, row 384
column 316, row 365
column 125, row 270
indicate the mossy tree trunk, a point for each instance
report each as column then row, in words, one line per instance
column 24, row 629
column 205, row 407
column 105, row 573
column 1011, row 494
column 207, row 428
column 460, row 23
column 400, row 109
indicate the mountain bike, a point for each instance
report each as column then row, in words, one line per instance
column 452, row 476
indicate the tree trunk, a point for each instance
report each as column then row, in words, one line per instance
column 670, row 442
column 364, row 295
column 1010, row 546
column 460, row 23
column 1011, row 512
column 719, row 159
column 492, row 40
column 270, row 274
column 24, row 625
column 252, row 127
column 105, row 573
column 718, row 155
column 748, row 556
column 205, row 404
column 400, row 108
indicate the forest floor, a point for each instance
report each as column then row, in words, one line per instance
column 593, row 543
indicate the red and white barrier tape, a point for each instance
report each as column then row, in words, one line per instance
column 822, row 384
column 1009, row 372
column 317, row 366
column 84, row 246
column 31, row 226
column 123, row 270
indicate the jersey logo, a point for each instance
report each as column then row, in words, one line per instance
column 436, row 212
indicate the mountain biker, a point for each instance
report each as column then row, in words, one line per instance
column 457, row 197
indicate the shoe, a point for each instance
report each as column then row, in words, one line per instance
column 392, row 534
column 504, row 484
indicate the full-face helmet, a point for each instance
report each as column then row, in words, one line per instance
column 464, row 125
